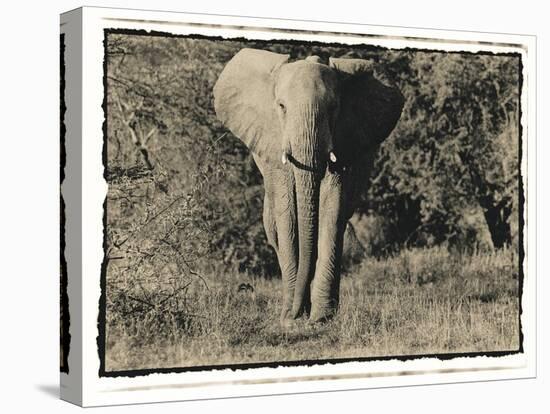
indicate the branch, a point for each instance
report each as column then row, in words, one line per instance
column 149, row 134
column 153, row 218
column 140, row 143
column 176, row 250
column 141, row 301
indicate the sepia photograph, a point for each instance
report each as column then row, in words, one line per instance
column 289, row 202
column 255, row 206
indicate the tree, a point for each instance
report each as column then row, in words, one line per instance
column 455, row 145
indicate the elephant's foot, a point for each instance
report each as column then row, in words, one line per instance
column 297, row 312
column 287, row 321
column 288, row 324
column 322, row 314
column 290, row 320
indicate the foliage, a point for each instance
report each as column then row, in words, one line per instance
column 184, row 193
column 161, row 124
column 455, row 147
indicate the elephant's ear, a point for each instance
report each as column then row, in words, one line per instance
column 244, row 101
column 369, row 110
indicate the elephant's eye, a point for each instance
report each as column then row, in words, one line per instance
column 282, row 107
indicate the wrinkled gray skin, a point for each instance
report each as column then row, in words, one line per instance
column 313, row 130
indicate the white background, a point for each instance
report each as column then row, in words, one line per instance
column 29, row 203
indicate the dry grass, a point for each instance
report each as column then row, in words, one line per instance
column 419, row 302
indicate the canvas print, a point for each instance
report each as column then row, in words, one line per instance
column 289, row 202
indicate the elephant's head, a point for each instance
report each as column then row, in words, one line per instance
column 312, row 120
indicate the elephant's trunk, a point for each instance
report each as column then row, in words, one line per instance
column 307, row 203
column 308, row 172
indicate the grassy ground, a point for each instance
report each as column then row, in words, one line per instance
column 419, row 302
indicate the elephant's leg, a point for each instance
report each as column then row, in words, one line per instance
column 284, row 211
column 325, row 287
column 279, row 218
column 269, row 223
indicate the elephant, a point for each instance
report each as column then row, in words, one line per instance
column 313, row 128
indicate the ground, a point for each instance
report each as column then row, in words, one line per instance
column 422, row 301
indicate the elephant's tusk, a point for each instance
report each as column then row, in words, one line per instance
column 332, row 156
column 284, row 158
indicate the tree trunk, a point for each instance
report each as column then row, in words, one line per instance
column 497, row 217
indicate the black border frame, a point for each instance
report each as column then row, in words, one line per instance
column 65, row 336
column 447, row 356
